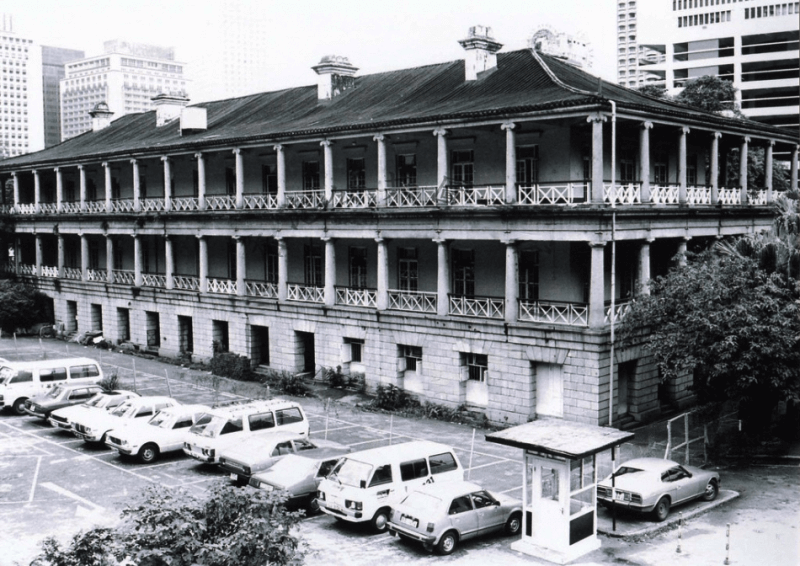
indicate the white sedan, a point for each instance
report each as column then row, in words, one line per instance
column 165, row 432
column 62, row 418
column 93, row 427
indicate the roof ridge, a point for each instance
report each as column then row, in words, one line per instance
column 556, row 80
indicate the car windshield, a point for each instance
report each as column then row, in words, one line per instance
column 96, row 401
column 123, row 410
column 56, row 392
column 6, row 373
column 351, row 472
column 622, row 470
column 422, row 501
column 162, row 420
column 212, row 426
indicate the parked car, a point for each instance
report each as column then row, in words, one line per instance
column 441, row 515
column 300, row 475
column 222, row 427
column 93, row 427
column 62, row 418
column 164, row 432
column 19, row 381
column 655, row 485
column 59, row 397
column 256, row 454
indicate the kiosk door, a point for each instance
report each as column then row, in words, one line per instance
column 549, row 520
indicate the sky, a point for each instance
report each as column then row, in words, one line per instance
column 376, row 35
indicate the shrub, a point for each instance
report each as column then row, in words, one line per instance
column 392, row 398
column 111, row 381
column 292, row 384
column 234, row 366
column 335, row 377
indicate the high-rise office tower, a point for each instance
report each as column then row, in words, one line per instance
column 53, row 61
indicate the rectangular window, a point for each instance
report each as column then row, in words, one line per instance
column 271, row 263
column 269, row 179
column 441, row 463
column 94, row 255
column 528, row 165
column 117, row 246
column 660, row 168
column 91, row 189
column 464, row 273
column 76, row 372
column 115, row 188
column 477, row 366
column 462, row 168
column 314, row 275
column 356, row 347
column 288, row 416
column 55, row 374
column 261, row 421
column 413, row 470
column 529, row 275
column 407, row 269
column 406, row 170
column 358, row 268
column 310, row 175
column 382, row 475
column 356, row 173
column 412, row 356
column 627, row 166
column 691, row 171
column 230, row 181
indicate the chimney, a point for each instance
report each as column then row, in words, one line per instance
column 168, row 107
column 101, row 116
column 335, row 76
column 481, row 51
column 193, row 119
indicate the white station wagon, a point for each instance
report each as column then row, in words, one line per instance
column 93, row 427
column 165, row 432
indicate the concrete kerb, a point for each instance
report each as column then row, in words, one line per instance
column 629, row 526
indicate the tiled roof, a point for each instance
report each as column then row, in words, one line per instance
column 522, row 82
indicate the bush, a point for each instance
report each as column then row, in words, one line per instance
column 21, row 306
column 234, row 366
column 392, row 398
column 335, row 377
column 111, row 381
column 287, row 382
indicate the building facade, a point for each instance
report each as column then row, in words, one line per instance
column 125, row 77
column 446, row 229
column 53, row 61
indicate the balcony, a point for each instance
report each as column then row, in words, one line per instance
column 628, row 193
column 50, row 271
column 477, row 307
column 260, row 202
column 26, row 208
column 412, row 301
column 305, row 293
column 365, row 198
column 95, row 206
column 492, row 195
column 25, row 269
column 263, row 289
column 699, row 195
column 73, row 273
column 554, row 312
column 621, row 308
column 101, row 275
column 186, row 282
column 757, row 197
column 305, row 199
column 220, row 202
column 71, row 207
column 185, row 204
column 48, row 208
column 557, row 193
column 124, row 277
column 222, row 286
column 356, row 297
column 125, row 205
column 731, row 195
column 665, row 194
column 154, row 280
column 153, row 205
column 409, row 197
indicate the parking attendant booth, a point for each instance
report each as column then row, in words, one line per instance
column 559, row 479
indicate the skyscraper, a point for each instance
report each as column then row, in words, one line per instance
column 53, row 60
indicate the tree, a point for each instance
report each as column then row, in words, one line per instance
column 654, row 90
column 21, row 306
column 230, row 527
column 709, row 93
column 730, row 316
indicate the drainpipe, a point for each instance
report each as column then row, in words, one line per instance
column 613, row 256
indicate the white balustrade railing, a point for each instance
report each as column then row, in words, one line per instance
column 48, row 207
column 629, row 193
column 758, row 197
column 480, row 307
column 573, row 314
column 182, row 204
column 26, row 208
column 9, row 267
column 305, row 199
column 413, row 301
column 260, row 202
column 26, row 269
column 124, row 277
column 6, row 208
column 261, row 289
column 49, row 271
column 217, row 202
column 154, row 204
column 223, row 286
column 476, row 196
column 305, row 293
column 730, row 196
column 551, row 193
column 154, row 280
column 365, row 198
column 664, row 194
column 698, row 195
column 122, row 205
column 186, row 282
column 356, row 297
column 70, row 206
column 101, row 276
column 72, row 273
column 411, row 196
column 620, row 310
column 95, row 206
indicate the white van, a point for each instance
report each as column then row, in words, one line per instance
column 20, row 381
column 364, row 485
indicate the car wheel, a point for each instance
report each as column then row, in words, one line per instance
column 19, row 406
column 448, row 543
column 661, row 510
column 514, row 524
column 149, row 453
column 711, row 491
column 313, row 506
column 380, row 520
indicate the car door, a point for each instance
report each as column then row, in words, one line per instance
column 414, row 473
column 177, row 435
column 463, row 517
column 489, row 514
column 684, row 483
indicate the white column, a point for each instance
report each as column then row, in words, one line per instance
column 138, row 258
column 793, row 178
column 596, row 192
column 327, row 153
column 682, row 133
column 442, row 278
column 283, row 269
column 201, row 181
column 381, row 196
column 17, row 252
column 682, row 247
column 82, row 186
column 768, row 170
column 59, row 188
column 109, row 259
column 597, row 286
column 644, row 267
column 61, row 255
column 714, row 167
column 137, row 186
column 38, row 250
column 743, row 168
column 203, row 261
column 169, row 255
column 239, row 160
column 330, row 271
column 383, row 275
column 644, row 159
column 281, row 159
column 37, row 191
column 107, row 180
column 442, row 165
column 241, row 266
column 15, row 182
column 84, row 257
column 167, row 183
column 511, row 165
column 512, row 281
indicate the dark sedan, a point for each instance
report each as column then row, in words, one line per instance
column 59, row 397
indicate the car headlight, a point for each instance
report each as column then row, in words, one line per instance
column 354, row 505
column 321, row 495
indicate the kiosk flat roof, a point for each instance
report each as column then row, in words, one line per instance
column 560, row 438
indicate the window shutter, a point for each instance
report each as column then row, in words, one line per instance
column 347, row 353
column 464, row 373
column 401, row 363
column 419, row 367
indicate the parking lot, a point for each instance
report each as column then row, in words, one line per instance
column 54, row 483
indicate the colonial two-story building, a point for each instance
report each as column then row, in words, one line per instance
column 451, row 229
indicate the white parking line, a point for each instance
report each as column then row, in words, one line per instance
column 322, row 431
column 35, row 478
column 487, row 465
column 512, row 489
column 366, row 442
column 61, row 491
